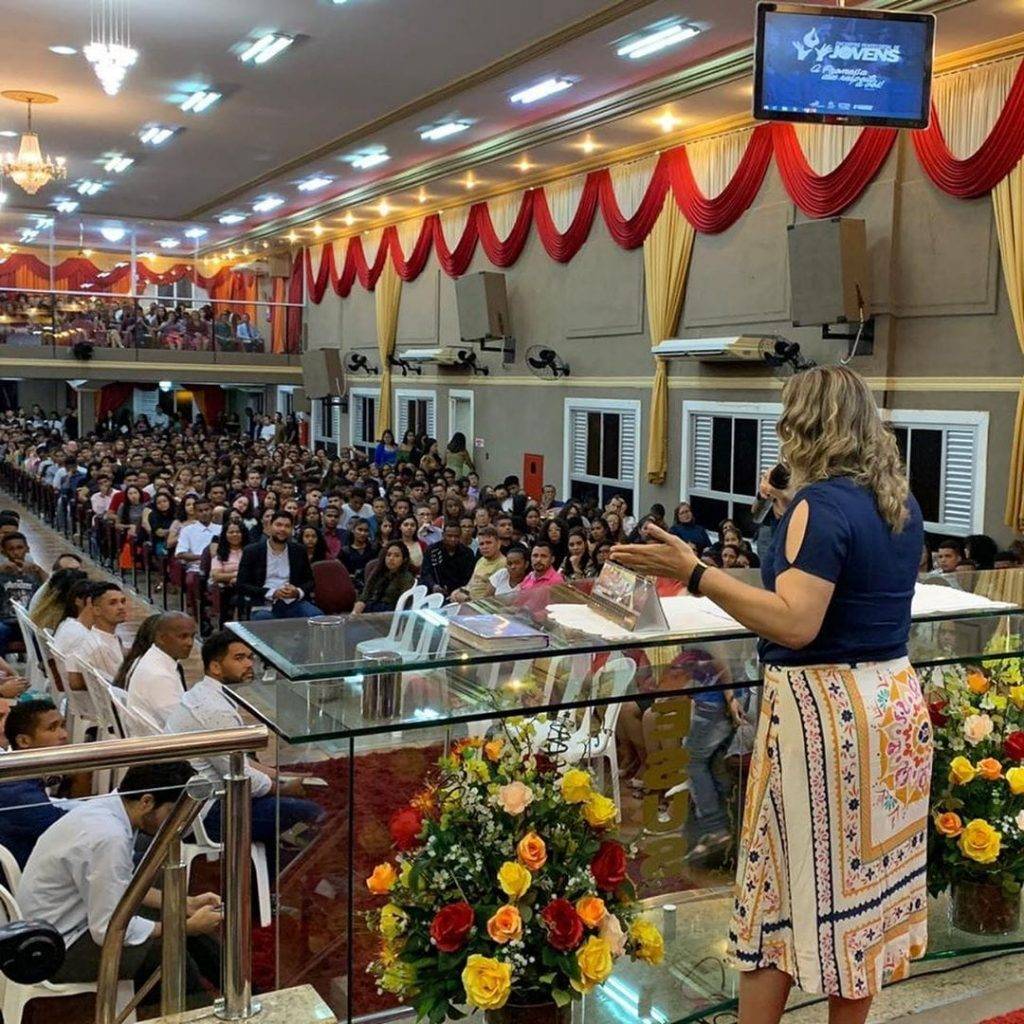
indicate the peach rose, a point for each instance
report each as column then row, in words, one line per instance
column 949, row 824
column 989, row 768
column 977, row 728
column 515, row 797
column 612, row 932
column 532, row 852
column 592, row 910
column 506, row 925
column 382, row 880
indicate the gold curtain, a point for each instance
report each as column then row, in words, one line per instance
column 1008, row 203
column 388, row 296
column 667, row 252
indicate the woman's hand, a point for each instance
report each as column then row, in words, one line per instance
column 664, row 555
column 780, row 499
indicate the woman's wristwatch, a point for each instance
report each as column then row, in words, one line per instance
column 693, row 584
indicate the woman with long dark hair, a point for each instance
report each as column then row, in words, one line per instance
column 577, row 564
column 157, row 519
column 390, row 580
column 313, row 541
column 457, row 458
column 555, row 532
column 386, row 452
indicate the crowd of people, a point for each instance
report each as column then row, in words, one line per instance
column 32, row 319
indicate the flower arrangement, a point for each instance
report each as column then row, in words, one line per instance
column 977, row 833
column 508, row 886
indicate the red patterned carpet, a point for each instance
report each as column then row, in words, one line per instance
column 1017, row 1017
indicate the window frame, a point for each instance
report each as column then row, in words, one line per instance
column 355, row 394
column 617, row 405
column 462, row 393
column 413, row 394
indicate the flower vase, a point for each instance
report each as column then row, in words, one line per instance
column 530, row 1013
column 982, row 908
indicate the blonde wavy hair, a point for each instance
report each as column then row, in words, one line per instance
column 830, row 427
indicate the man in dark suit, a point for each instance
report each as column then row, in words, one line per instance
column 276, row 571
column 254, row 489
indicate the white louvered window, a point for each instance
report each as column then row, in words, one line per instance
column 325, row 425
column 362, row 418
column 726, row 447
column 602, row 440
column 945, row 454
column 416, row 411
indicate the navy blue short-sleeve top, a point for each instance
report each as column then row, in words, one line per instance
column 848, row 543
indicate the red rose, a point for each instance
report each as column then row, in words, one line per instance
column 609, row 866
column 935, row 709
column 544, row 763
column 1013, row 746
column 451, row 925
column 405, row 826
column 564, row 926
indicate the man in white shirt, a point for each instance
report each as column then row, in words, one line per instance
column 226, row 659
column 80, row 868
column 101, row 649
column 156, row 682
column 356, row 508
column 196, row 538
column 102, row 498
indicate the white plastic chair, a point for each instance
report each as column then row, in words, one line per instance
column 35, row 669
column 79, row 710
column 11, row 869
column 131, row 721
column 17, row 997
column 432, row 627
column 408, row 602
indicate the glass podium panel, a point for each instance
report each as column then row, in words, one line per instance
column 644, row 712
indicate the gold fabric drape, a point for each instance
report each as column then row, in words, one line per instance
column 667, row 251
column 388, row 297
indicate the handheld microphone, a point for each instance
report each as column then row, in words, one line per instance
column 779, row 479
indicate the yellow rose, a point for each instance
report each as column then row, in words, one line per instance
column 382, row 880
column 592, row 910
column 487, row 982
column 575, row 786
column 506, row 925
column 980, row 841
column 599, row 811
column 514, row 879
column 1017, row 696
column 595, row 962
column 393, row 921
column 949, row 824
column 493, row 748
column 978, row 682
column 961, row 771
column 1015, row 780
column 990, row 769
column 532, row 852
column 648, row 942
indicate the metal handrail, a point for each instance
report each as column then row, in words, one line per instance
column 166, row 847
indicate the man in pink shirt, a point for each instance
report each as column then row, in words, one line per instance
column 544, row 573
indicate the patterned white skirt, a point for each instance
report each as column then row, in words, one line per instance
column 830, row 887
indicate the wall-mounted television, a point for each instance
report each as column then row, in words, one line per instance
column 842, row 65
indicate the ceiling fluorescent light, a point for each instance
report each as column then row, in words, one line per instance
column 265, row 48
column 89, row 188
column 652, row 42
column 147, row 255
column 118, row 163
column 168, row 243
column 231, row 218
column 443, row 130
column 63, row 51
column 195, row 232
column 65, row 205
column 200, row 100
column 314, row 183
column 541, row 90
column 267, row 204
column 113, row 234
column 155, row 134
column 364, row 161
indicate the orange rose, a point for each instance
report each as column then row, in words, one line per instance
column 592, row 910
column 506, row 925
column 382, row 880
column 989, row 768
column 978, row 682
column 532, row 852
column 949, row 824
column 493, row 749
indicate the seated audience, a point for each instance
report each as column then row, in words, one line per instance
column 228, row 557
column 949, row 554
column 577, row 564
column 688, row 529
column 449, row 565
column 359, row 551
column 508, row 579
column 389, row 581
column 49, row 605
column 195, row 538
column 490, row 561
column 20, row 578
column 100, row 649
column 156, row 682
column 275, row 573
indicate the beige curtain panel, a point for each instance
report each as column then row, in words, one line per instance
column 388, row 297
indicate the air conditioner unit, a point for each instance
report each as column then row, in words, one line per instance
column 745, row 348
column 447, row 355
column 259, row 267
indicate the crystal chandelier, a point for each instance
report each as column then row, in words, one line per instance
column 110, row 51
column 30, row 169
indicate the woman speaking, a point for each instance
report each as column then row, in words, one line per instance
column 830, row 890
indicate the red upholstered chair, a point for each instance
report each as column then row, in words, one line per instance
column 333, row 589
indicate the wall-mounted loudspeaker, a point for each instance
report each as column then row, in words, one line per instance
column 828, row 272
column 300, row 401
column 280, row 265
column 322, row 375
column 483, row 306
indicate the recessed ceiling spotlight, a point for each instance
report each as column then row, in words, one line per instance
column 292, row 237
column 318, row 181
column 168, row 243
column 156, row 134
column 349, row 219
column 588, row 145
column 113, row 234
column 118, row 163
column 265, row 48
column 423, row 197
column 541, row 90
column 367, row 158
column 471, row 181
column 384, row 208
column 87, row 187
column 655, row 39
column 231, row 218
column 669, row 122
column 200, row 100
column 267, row 203
column 524, row 165
column 444, row 130
column 195, row 232
column 65, row 205
column 266, row 245
column 318, row 229
column 64, row 51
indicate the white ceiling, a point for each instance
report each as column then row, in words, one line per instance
column 365, row 72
